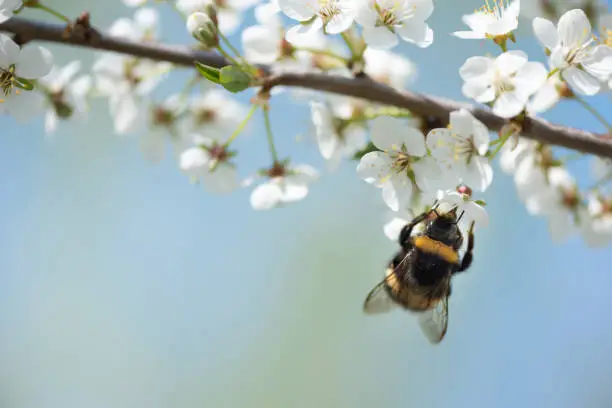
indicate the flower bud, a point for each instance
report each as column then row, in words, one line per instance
column 211, row 10
column 203, row 28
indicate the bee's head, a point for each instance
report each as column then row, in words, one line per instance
column 444, row 227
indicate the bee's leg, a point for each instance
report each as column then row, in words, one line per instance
column 407, row 230
column 469, row 253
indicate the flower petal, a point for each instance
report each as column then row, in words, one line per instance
column 581, row 81
column 379, row 37
column 297, row 32
column 35, row 62
column 440, row 143
column 223, row 180
column 416, row 32
column 293, row 191
column 480, row 91
column 386, row 133
column 339, row 23
column 414, row 141
column 374, row 168
column 476, row 213
column 298, row 9
column 327, row 139
column 266, row 196
column 546, row 32
column 470, row 35
column 574, row 28
column 478, row 174
column 599, row 62
column 509, row 104
column 427, row 173
column 530, row 77
column 510, row 62
column 475, row 68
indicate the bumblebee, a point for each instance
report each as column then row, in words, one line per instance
column 418, row 278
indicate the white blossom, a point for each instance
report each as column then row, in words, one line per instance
column 403, row 149
column 337, row 139
column 472, row 210
column 500, row 19
column 384, row 20
column 547, row 96
column 215, row 114
column 601, row 169
column 283, row 185
column 506, row 81
column 389, row 68
column 209, row 162
column 331, row 16
column 511, row 155
column 142, row 27
column 462, row 147
column 67, row 95
column 30, row 63
column 596, row 222
column 127, row 81
column 581, row 63
column 165, row 125
column 229, row 12
column 265, row 43
column 551, row 9
column 6, row 9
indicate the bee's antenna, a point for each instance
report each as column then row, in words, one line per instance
column 434, row 207
column 458, row 219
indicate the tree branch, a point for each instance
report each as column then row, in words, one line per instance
column 365, row 88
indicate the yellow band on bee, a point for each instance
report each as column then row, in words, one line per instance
column 432, row 246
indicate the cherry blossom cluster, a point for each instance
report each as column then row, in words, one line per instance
column 414, row 161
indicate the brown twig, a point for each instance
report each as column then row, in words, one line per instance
column 533, row 128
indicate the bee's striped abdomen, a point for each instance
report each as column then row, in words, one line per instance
column 437, row 248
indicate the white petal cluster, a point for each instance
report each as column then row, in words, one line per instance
column 282, row 185
column 66, row 95
column 29, row 63
column 416, row 161
column 583, row 63
column 506, row 81
column 384, row 20
column 496, row 20
column 128, row 81
column 461, row 149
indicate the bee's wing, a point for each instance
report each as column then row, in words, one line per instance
column 434, row 322
column 378, row 300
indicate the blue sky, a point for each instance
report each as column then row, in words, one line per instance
column 124, row 285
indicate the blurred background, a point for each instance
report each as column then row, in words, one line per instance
column 123, row 285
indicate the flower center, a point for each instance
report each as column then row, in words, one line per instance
column 502, row 84
column 277, row 170
column 129, row 72
column 218, row 152
column 162, row 117
column 328, row 9
column 286, row 50
column 7, row 80
column 387, row 16
column 62, row 108
column 463, row 147
column 570, row 198
column 204, row 116
column 496, row 8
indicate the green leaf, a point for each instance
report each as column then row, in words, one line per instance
column 234, row 79
column 481, row 202
column 208, row 72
